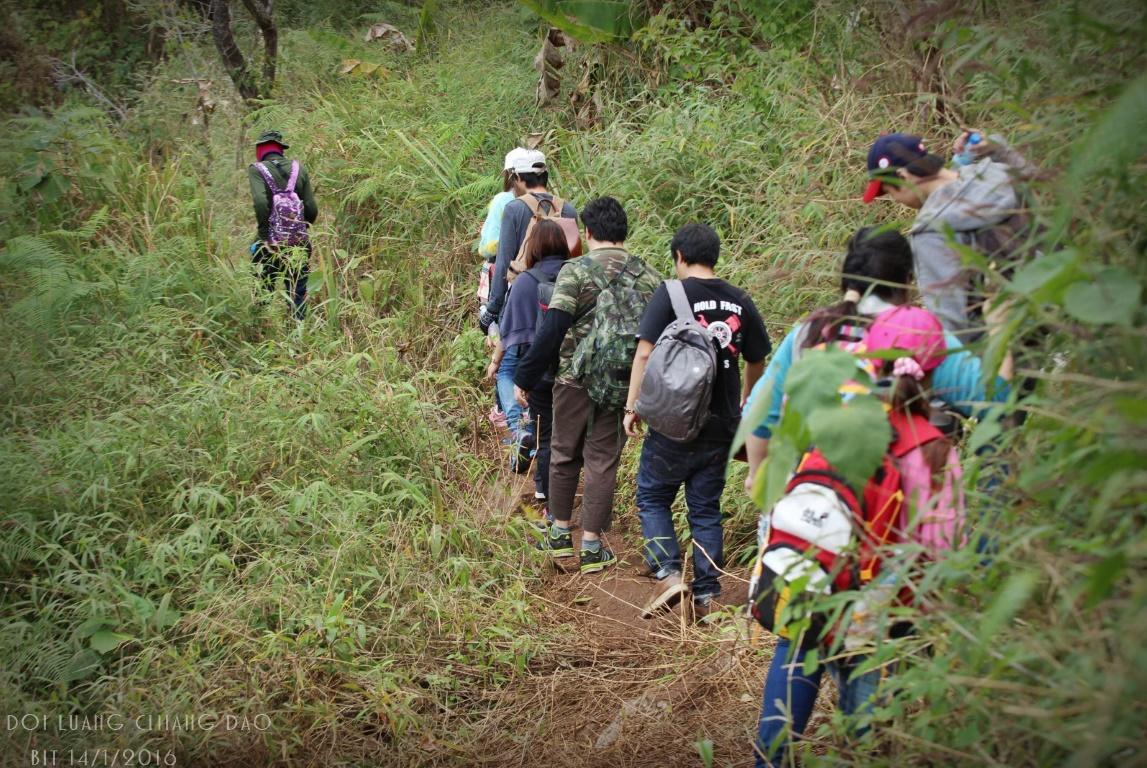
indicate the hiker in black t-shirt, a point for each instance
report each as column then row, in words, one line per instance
column 738, row 331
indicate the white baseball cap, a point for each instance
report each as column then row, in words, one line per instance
column 512, row 157
column 525, row 161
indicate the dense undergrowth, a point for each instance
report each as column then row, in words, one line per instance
column 208, row 508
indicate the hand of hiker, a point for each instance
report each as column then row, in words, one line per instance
column 520, row 396
column 491, row 370
column 632, row 424
column 961, row 142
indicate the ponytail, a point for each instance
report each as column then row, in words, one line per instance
column 824, row 325
column 910, row 397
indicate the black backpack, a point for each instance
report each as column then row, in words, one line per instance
column 545, row 293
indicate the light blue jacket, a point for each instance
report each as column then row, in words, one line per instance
column 492, row 227
column 957, row 381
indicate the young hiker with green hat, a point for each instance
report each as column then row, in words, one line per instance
column 284, row 209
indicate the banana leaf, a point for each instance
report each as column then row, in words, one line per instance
column 591, row 21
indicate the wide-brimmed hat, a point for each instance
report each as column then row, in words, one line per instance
column 266, row 137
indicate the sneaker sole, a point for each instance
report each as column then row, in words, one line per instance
column 595, row 567
column 560, row 552
column 666, row 601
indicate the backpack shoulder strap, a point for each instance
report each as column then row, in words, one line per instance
column 538, row 275
column 267, row 177
column 531, row 201
column 556, row 204
column 294, row 176
column 679, row 300
column 911, row 433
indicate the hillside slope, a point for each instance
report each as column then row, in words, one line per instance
column 212, row 512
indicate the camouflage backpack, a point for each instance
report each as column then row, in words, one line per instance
column 603, row 359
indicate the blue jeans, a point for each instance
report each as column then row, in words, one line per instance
column 700, row 466
column 505, row 384
column 790, row 694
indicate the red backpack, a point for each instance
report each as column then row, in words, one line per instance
column 822, row 538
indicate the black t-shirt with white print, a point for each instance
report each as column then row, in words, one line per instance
column 736, row 325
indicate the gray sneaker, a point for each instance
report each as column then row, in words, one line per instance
column 670, row 592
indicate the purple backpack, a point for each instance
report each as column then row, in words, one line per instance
column 287, row 225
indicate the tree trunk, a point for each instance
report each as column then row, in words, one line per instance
column 263, row 12
column 232, row 57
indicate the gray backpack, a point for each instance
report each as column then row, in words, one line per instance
column 678, row 382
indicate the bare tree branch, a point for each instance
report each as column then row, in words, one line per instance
column 232, row 57
column 263, row 11
column 67, row 73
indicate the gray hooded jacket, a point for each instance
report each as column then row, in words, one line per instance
column 981, row 198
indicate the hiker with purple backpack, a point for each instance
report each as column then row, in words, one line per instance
column 284, row 209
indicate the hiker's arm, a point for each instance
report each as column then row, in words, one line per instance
column 261, row 198
column 757, row 450
column 495, row 360
column 997, row 148
column 636, row 374
column 307, row 195
column 753, row 373
column 544, row 351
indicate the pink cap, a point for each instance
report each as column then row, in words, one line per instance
column 914, row 330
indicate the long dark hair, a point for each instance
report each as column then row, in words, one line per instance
column 546, row 239
column 878, row 261
column 911, row 398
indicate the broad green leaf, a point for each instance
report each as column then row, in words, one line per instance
column 591, row 21
column 1046, row 278
column 853, row 437
column 814, row 381
column 783, row 456
column 1112, row 298
column 106, row 641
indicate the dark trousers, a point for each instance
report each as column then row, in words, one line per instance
column 665, row 466
column 584, row 436
column 542, row 411
column 275, row 267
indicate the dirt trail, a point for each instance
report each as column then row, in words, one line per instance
column 620, row 690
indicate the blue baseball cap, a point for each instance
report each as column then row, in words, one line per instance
column 897, row 150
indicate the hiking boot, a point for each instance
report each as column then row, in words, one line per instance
column 556, row 544
column 670, row 591
column 592, row 562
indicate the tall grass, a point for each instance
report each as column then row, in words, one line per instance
column 212, row 509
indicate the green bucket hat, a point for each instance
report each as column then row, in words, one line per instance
column 275, row 136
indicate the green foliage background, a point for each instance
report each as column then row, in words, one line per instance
column 207, row 506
